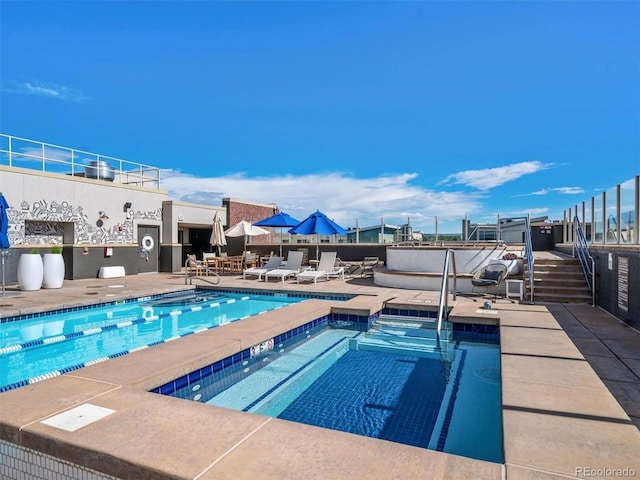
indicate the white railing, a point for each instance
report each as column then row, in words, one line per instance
column 46, row 157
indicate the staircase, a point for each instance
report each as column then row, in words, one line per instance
column 559, row 280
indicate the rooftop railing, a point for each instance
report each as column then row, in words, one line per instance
column 610, row 218
column 45, row 157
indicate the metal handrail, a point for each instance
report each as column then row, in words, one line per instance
column 189, row 277
column 583, row 252
column 47, row 157
column 528, row 254
column 443, row 303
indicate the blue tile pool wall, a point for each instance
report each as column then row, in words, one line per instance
column 284, row 294
column 346, row 321
column 476, row 333
column 205, row 383
column 410, row 313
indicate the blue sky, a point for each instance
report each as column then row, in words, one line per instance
column 360, row 109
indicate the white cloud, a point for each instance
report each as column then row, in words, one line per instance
column 489, row 178
column 547, row 191
column 44, row 90
column 341, row 197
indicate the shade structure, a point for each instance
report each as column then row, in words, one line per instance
column 4, row 238
column 245, row 229
column 217, row 233
column 281, row 220
column 317, row 224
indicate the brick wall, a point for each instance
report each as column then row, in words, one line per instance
column 251, row 212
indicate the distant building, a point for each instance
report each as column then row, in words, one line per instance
column 508, row 230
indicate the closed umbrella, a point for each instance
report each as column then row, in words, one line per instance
column 280, row 219
column 319, row 224
column 4, row 237
column 245, row 229
column 218, row 239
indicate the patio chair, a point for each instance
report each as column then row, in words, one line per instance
column 368, row 264
column 293, row 267
column 193, row 265
column 326, row 269
column 489, row 277
column 273, row 263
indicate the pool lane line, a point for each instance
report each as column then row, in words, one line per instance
column 122, row 324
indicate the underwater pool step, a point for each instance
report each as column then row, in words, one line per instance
column 393, row 345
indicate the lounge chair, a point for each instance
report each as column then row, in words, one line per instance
column 489, row 276
column 194, row 266
column 291, row 269
column 368, row 265
column 273, row 263
column 326, row 269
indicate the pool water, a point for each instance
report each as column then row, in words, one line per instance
column 399, row 382
column 38, row 347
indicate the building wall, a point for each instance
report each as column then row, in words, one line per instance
column 50, row 209
column 85, row 216
column 238, row 210
column 618, row 281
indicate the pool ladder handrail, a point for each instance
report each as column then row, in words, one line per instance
column 188, row 277
column 443, row 303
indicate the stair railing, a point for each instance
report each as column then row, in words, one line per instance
column 582, row 251
column 443, row 303
column 528, row 254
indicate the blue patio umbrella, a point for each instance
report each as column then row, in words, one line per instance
column 318, row 224
column 280, row 219
column 4, row 237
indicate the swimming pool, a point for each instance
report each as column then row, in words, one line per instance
column 36, row 347
column 399, row 381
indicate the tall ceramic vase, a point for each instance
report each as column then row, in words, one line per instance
column 30, row 271
column 53, row 270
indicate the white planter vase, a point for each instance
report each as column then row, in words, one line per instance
column 53, row 270
column 30, row 271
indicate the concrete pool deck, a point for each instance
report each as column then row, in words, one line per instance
column 559, row 418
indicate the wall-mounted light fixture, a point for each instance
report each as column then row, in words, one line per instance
column 126, row 207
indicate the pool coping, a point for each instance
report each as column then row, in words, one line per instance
column 557, row 414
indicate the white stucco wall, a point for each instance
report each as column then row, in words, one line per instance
column 44, row 197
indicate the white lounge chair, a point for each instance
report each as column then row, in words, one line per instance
column 291, row 269
column 273, row 263
column 326, row 269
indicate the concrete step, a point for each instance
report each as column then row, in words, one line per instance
column 560, row 298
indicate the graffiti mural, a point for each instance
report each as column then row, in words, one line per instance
column 44, row 223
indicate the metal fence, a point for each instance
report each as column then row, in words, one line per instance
column 45, row 157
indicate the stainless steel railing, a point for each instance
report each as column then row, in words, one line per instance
column 528, row 255
column 443, row 303
column 46, row 157
column 582, row 251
